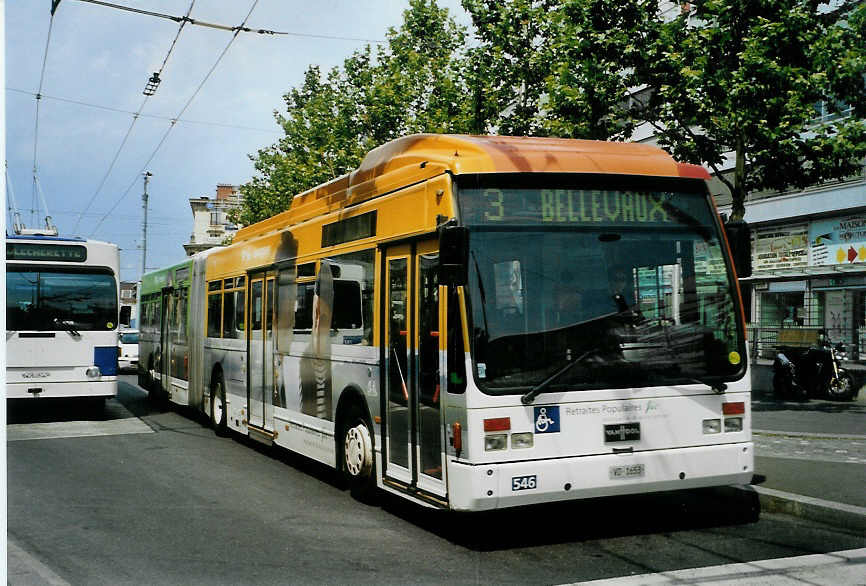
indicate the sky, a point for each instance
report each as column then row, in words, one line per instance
column 96, row 65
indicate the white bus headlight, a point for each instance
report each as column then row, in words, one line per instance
column 733, row 424
column 521, row 440
column 495, row 442
column 93, row 372
column 712, row 426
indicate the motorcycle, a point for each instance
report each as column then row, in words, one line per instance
column 816, row 371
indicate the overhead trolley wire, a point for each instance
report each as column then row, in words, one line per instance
column 132, row 124
column 174, row 121
column 140, row 115
column 38, row 98
column 236, row 29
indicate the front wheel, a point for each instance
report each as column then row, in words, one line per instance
column 358, row 464
column 218, row 411
column 841, row 388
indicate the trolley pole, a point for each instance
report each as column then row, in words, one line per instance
column 147, row 175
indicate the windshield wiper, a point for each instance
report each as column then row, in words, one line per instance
column 68, row 326
column 717, row 386
column 537, row 389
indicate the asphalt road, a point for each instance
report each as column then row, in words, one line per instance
column 159, row 499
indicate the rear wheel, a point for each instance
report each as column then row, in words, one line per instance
column 842, row 387
column 218, row 411
column 358, row 459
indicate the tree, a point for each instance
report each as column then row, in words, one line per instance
column 514, row 39
column 415, row 83
column 596, row 50
column 739, row 79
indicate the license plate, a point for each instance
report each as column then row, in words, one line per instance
column 524, row 482
column 629, row 471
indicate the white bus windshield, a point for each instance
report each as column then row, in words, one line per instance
column 53, row 298
column 626, row 288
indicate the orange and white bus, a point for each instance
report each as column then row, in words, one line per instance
column 479, row 322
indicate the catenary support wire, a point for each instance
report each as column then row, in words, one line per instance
column 131, row 125
column 174, row 121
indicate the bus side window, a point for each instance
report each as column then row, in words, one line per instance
column 214, row 315
column 229, row 314
column 456, row 352
column 240, row 313
column 304, row 307
column 286, row 290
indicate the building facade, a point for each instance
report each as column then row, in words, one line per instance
column 809, row 264
column 128, row 304
column 211, row 224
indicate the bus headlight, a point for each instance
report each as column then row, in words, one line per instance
column 712, row 426
column 521, row 440
column 733, row 424
column 495, row 442
column 93, row 372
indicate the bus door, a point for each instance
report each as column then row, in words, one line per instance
column 260, row 350
column 412, row 410
column 164, row 358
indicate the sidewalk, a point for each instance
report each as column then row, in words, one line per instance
column 810, row 458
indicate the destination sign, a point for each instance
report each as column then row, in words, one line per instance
column 587, row 207
column 46, row 252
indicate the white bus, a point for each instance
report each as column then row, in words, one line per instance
column 476, row 323
column 61, row 317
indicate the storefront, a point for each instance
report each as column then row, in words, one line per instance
column 811, row 275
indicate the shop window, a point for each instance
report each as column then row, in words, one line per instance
column 783, row 309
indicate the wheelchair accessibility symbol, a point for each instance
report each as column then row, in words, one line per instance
column 546, row 419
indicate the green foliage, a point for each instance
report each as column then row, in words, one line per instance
column 415, row 83
column 731, row 81
column 596, row 48
column 741, row 79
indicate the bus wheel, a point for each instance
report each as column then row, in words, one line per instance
column 218, row 415
column 358, row 464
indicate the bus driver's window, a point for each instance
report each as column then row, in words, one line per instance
column 509, row 288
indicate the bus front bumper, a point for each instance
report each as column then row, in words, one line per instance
column 106, row 387
column 509, row 484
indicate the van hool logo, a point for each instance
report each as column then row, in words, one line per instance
column 622, row 432
column 35, row 375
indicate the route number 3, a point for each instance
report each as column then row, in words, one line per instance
column 494, row 199
column 524, row 482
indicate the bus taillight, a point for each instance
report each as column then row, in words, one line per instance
column 497, row 424
column 738, row 408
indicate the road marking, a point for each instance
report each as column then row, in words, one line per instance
column 24, row 569
column 800, row 446
column 64, row 429
column 839, row 567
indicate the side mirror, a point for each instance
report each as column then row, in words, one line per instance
column 741, row 246
column 453, row 255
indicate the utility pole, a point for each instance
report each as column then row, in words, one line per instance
column 147, row 175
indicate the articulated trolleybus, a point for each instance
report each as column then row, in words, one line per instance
column 61, row 317
column 475, row 323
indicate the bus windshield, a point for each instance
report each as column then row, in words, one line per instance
column 52, row 298
column 588, row 287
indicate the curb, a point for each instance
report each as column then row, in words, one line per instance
column 831, row 513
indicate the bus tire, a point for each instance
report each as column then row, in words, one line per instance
column 358, row 460
column 218, row 411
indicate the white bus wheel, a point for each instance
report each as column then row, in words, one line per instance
column 358, row 458
column 218, row 415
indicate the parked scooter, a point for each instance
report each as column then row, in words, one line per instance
column 801, row 373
